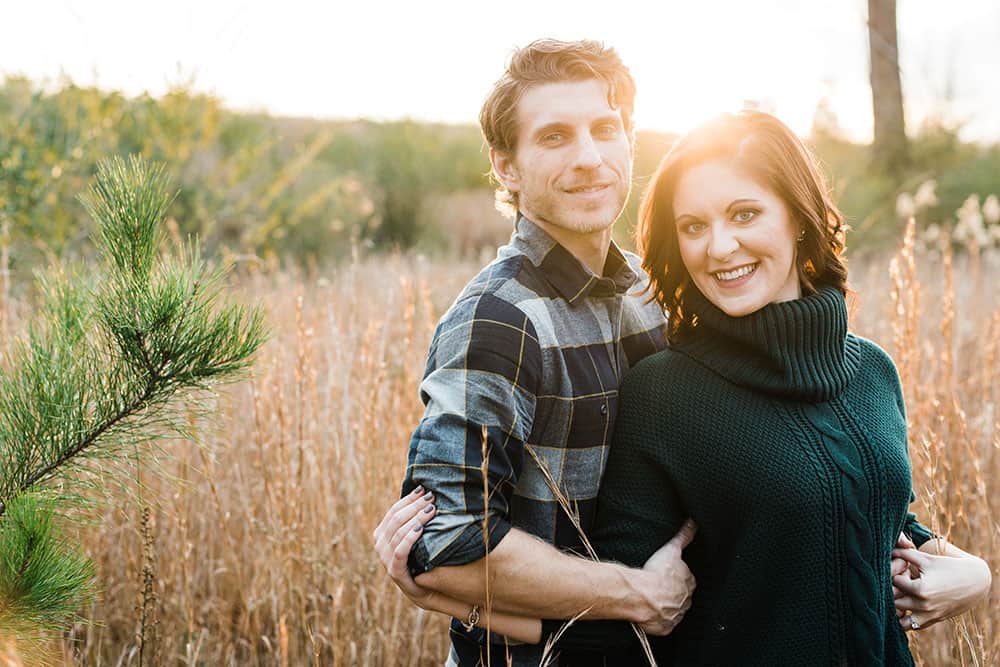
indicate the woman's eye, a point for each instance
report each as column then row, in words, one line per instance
column 746, row 215
column 553, row 137
column 693, row 228
column 608, row 130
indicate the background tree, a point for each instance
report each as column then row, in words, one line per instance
column 99, row 373
column 889, row 148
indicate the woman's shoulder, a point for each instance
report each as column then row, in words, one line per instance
column 873, row 358
column 665, row 373
column 652, row 368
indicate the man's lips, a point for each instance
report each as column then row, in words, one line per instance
column 589, row 188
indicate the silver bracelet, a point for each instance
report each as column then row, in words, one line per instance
column 473, row 619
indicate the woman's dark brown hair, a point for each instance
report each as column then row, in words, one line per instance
column 765, row 149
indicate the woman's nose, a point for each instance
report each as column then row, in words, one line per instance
column 722, row 244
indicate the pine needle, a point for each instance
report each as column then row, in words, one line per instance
column 102, row 369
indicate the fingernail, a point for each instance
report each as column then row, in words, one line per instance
column 429, row 509
column 417, row 528
column 428, row 495
column 417, row 491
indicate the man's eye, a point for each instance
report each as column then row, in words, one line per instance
column 746, row 215
column 553, row 137
column 607, row 130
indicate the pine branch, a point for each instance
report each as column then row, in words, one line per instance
column 102, row 367
column 42, row 579
column 45, row 472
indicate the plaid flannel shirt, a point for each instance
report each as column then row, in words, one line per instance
column 531, row 354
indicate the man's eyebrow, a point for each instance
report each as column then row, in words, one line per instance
column 609, row 118
column 549, row 127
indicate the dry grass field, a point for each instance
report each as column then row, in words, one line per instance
column 254, row 548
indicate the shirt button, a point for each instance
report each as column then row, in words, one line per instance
column 604, row 409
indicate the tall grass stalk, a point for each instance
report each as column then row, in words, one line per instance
column 268, row 526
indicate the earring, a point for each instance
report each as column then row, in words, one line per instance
column 801, row 237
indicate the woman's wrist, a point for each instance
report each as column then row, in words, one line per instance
column 517, row 627
column 986, row 574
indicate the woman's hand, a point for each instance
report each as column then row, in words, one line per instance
column 396, row 534
column 936, row 582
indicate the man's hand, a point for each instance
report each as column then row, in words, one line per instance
column 899, row 566
column 932, row 587
column 396, row 534
column 668, row 584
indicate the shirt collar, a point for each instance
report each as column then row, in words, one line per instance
column 566, row 273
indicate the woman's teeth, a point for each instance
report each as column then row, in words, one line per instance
column 735, row 273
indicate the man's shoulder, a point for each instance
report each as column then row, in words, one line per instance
column 635, row 262
column 510, row 277
column 640, row 291
column 496, row 293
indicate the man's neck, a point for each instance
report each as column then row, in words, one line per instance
column 591, row 248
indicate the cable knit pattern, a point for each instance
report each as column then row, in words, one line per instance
column 859, row 545
column 784, row 437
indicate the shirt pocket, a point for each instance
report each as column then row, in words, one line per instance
column 591, row 421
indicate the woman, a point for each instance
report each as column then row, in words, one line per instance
column 779, row 432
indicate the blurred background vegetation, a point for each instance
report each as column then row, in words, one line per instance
column 309, row 192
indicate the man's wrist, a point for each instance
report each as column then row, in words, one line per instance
column 629, row 601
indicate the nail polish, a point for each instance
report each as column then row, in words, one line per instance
column 429, row 509
column 428, row 495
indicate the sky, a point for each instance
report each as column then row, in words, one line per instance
column 436, row 61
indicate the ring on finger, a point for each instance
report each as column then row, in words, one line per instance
column 914, row 624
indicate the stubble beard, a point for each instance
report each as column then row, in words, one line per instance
column 552, row 210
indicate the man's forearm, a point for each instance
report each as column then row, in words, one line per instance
column 532, row 578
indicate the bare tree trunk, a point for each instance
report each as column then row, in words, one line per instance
column 889, row 147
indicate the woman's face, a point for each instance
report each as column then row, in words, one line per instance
column 736, row 238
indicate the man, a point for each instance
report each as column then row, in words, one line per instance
column 525, row 368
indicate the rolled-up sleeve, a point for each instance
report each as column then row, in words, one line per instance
column 479, row 389
column 916, row 531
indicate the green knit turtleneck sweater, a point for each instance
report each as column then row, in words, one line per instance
column 784, row 437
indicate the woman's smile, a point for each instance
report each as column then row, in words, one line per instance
column 736, row 238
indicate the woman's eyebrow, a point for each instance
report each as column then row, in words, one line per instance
column 740, row 202
column 682, row 216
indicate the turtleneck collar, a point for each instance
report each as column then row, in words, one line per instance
column 796, row 349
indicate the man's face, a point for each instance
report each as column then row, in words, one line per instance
column 573, row 163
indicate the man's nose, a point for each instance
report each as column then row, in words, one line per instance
column 588, row 156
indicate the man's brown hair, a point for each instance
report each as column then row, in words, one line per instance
column 550, row 61
column 769, row 152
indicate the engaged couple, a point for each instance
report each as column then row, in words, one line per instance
column 699, row 415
